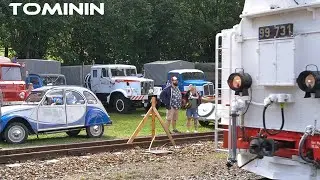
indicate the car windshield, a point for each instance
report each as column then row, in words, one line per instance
column 10, row 73
column 35, row 96
column 192, row 75
column 117, row 72
column 53, row 80
column 131, row 72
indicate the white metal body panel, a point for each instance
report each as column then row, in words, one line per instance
column 275, row 72
column 267, row 63
column 306, row 40
column 76, row 113
column 53, row 115
column 279, row 168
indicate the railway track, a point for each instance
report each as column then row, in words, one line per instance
column 79, row 149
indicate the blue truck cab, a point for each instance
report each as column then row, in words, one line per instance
column 39, row 80
column 192, row 76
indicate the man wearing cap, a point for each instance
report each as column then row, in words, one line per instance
column 171, row 97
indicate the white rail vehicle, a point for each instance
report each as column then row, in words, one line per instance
column 271, row 88
column 117, row 85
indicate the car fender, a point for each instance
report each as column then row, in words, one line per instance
column 122, row 91
column 96, row 116
column 6, row 119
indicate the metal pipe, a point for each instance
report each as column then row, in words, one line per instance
column 300, row 150
column 234, row 136
column 310, row 130
column 230, row 93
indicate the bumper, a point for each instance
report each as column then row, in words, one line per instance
column 139, row 98
column 279, row 168
column 10, row 103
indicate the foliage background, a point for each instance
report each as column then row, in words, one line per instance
column 131, row 31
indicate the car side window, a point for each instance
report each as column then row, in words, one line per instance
column 74, row 98
column 104, row 72
column 54, row 98
column 90, row 98
column 95, row 73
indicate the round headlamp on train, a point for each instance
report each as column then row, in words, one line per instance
column 240, row 83
column 309, row 82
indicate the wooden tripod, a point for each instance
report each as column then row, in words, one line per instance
column 155, row 114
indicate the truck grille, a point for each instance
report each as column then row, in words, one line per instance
column 208, row 90
column 145, row 87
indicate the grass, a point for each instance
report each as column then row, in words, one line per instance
column 123, row 126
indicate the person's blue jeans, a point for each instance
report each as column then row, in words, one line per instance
column 192, row 113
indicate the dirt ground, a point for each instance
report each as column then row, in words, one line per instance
column 191, row 161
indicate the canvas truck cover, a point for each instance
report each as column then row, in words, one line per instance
column 75, row 74
column 39, row 66
column 158, row 70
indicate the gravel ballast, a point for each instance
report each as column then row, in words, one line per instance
column 190, row 161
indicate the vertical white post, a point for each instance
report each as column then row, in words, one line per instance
column 216, row 81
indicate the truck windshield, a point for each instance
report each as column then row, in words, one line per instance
column 117, row 72
column 10, row 73
column 192, row 75
column 131, row 72
column 35, row 96
column 53, row 80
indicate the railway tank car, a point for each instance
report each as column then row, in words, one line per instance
column 271, row 89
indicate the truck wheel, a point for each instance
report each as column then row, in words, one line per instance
column 121, row 104
column 16, row 133
column 204, row 123
column 95, row 131
column 73, row 133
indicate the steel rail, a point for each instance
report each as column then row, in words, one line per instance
column 80, row 149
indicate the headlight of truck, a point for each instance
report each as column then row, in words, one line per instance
column 22, row 95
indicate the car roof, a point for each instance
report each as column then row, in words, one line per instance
column 185, row 70
column 53, row 75
column 77, row 88
column 114, row 66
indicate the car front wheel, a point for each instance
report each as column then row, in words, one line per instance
column 16, row 133
column 95, row 131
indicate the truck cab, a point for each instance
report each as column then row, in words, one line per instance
column 192, row 76
column 117, row 85
column 39, row 80
column 13, row 88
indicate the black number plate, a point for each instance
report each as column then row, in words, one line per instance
column 276, row 31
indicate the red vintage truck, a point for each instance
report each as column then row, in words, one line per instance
column 12, row 88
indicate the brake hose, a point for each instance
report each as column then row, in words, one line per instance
column 264, row 121
column 300, row 151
